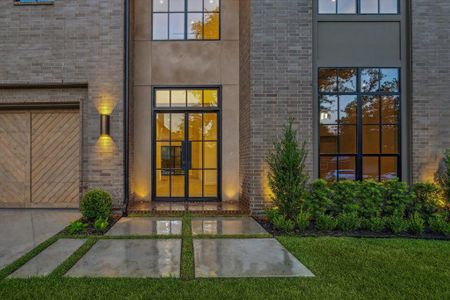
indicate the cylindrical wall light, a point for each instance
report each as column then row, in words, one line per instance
column 104, row 125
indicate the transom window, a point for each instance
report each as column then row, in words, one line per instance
column 186, row 19
column 358, row 6
column 359, row 123
column 174, row 98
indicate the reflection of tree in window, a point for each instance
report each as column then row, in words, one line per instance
column 210, row 28
column 353, row 111
column 369, row 80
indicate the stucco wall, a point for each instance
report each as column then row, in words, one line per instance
column 78, row 41
column 185, row 63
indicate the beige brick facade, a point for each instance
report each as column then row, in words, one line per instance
column 73, row 51
column 71, row 42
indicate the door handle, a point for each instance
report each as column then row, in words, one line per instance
column 189, row 155
column 183, row 155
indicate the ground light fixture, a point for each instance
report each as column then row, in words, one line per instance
column 105, row 121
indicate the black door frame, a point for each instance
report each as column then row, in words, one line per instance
column 186, row 110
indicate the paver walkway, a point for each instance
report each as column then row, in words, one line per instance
column 146, row 226
column 23, row 229
column 226, row 226
column 46, row 261
column 124, row 254
column 245, row 258
column 130, row 258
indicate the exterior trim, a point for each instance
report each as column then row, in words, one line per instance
column 44, row 85
column 126, row 92
column 39, row 105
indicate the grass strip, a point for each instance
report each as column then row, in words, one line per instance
column 73, row 259
column 187, row 251
column 9, row 269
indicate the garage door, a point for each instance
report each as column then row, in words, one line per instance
column 39, row 158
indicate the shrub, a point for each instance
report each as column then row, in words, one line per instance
column 416, row 224
column 76, row 227
column 318, row 201
column 443, row 174
column 396, row 224
column 303, row 219
column 375, row 224
column 287, row 177
column 396, row 197
column 325, row 223
column 96, row 204
column 370, row 198
column 348, row 222
column 438, row 224
column 344, row 197
column 284, row 224
column 272, row 213
column 101, row 224
column 427, row 201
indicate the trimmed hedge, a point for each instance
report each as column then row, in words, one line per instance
column 369, row 205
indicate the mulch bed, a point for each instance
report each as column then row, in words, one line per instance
column 90, row 230
column 357, row 234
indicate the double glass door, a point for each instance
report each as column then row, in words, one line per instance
column 186, row 155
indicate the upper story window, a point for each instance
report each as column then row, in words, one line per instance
column 186, row 19
column 358, row 6
column 359, row 123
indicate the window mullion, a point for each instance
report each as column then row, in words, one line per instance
column 185, row 19
column 359, row 128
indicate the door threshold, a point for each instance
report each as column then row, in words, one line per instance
column 233, row 208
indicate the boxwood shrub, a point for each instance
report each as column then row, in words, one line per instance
column 96, row 204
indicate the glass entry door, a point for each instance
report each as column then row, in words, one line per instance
column 186, row 155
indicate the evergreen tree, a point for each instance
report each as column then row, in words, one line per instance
column 287, row 177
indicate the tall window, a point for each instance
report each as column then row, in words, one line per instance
column 358, row 6
column 359, row 123
column 186, row 19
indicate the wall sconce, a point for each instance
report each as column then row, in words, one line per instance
column 105, row 125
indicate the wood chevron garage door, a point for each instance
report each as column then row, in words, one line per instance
column 40, row 158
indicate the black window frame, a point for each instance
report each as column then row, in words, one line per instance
column 358, row 10
column 217, row 109
column 359, row 155
column 186, row 12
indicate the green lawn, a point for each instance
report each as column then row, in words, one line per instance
column 344, row 268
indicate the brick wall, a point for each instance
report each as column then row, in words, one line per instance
column 245, row 177
column 79, row 41
column 430, row 85
column 280, row 69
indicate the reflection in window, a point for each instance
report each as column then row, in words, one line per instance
column 359, row 123
column 337, row 6
column 379, row 6
column 365, row 6
column 186, row 19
